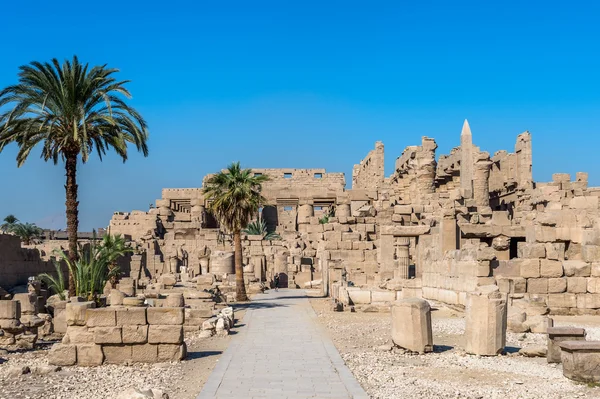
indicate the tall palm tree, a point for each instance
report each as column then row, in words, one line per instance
column 71, row 110
column 27, row 232
column 9, row 223
column 234, row 195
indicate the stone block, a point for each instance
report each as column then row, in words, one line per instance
column 560, row 334
column 167, row 334
column 555, row 251
column 531, row 250
column 557, row 285
column 360, row 297
column 131, row 316
column 165, row 316
column 10, row 310
column 146, row 353
column 577, row 285
column 171, row 353
column 89, row 355
column 62, row 355
column 588, row 301
column 590, row 253
column 383, row 296
column 79, row 335
column 117, row 354
column 593, row 285
column 102, row 317
column 75, row 312
column 530, row 268
column 135, row 334
column 551, row 268
column 581, row 360
column 486, row 322
column 29, row 304
column 562, row 301
column 411, row 325
column 107, row 335
column 577, row 268
column 537, row 285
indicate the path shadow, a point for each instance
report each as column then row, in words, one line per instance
column 442, row 348
column 256, row 305
column 200, row 354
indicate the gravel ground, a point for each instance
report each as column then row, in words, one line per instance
column 182, row 380
column 364, row 343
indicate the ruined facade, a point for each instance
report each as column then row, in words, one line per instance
column 437, row 227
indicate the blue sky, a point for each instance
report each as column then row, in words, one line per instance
column 309, row 84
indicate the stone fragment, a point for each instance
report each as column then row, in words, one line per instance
column 75, row 312
column 135, row 334
column 107, row 335
column 556, row 335
column 89, row 355
column 165, row 334
column 171, row 353
column 165, row 316
column 175, row 300
column 534, row 351
column 485, row 331
column 577, row 268
column 133, row 301
column 62, row 355
column 131, row 316
column 116, row 297
column 581, row 360
column 10, row 310
column 117, row 354
column 102, row 317
column 411, row 325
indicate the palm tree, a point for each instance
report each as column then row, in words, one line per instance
column 259, row 228
column 234, row 196
column 112, row 248
column 71, row 110
column 9, row 222
column 26, row 232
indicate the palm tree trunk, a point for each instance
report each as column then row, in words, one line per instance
column 240, row 286
column 72, row 213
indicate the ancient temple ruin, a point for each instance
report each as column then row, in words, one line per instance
column 437, row 228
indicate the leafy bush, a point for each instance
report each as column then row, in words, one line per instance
column 56, row 284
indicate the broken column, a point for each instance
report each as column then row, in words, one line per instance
column 427, row 166
column 481, row 179
column 486, row 321
column 10, row 326
column 524, row 160
column 402, row 257
column 411, row 325
column 466, row 161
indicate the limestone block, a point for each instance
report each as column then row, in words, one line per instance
column 551, row 268
column 562, row 301
column 360, row 297
column 11, row 324
column 556, row 335
column 593, row 285
column 588, row 301
column 411, row 325
column 537, row 285
column 590, row 253
column 166, row 334
column 590, row 203
column 595, row 269
column 165, row 316
column 175, row 300
column 107, row 335
column 135, row 334
column 146, row 353
column 531, row 250
column 383, row 296
column 89, row 355
column 577, row 268
column 116, row 298
column 530, row 268
column 555, row 250
column 117, row 354
column 133, row 302
column 486, row 322
column 79, row 335
column 10, row 310
column 581, row 360
column 102, row 317
column 171, row 353
column 557, row 285
column 75, row 312
column 513, row 285
column 131, row 316
column 62, row 355
column 28, row 302
column 577, row 285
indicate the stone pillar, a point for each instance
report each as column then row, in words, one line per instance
column 402, row 257
column 481, row 179
column 386, row 256
column 524, row 160
column 466, row 161
column 135, row 267
column 448, row 232
column 425, row 175
column 411, row 325
column 486, row 321
column 343, row 210
column 305, row 212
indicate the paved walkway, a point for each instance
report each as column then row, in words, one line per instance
column 281, row 352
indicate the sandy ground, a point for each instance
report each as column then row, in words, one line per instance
column 363, row 340
column 182, row 380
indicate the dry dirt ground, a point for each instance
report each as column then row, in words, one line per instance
column 179, row 380
column 363, row 340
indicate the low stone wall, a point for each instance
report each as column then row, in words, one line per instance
column 117, row 335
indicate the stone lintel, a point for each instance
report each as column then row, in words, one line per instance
column 580, row 346
column 405, row 231
column 566, row 331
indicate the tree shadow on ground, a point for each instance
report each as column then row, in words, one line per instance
column 256, row 305
column 201, row 354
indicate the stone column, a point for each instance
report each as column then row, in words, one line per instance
column 481, row 179
column 386, row 256
column 486, row 321
column 466, row 161
column 343, row 210
column 402, row 257
column 524, row 160
column 305, row 212
column 411, row 325
column 426, row 164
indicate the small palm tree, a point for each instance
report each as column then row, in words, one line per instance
column 71, row 110
column 27, row 232
column 259, row 228
column 234, row 195
column 9, row 222
column 113, row 247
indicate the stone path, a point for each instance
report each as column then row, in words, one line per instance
column 281, row 352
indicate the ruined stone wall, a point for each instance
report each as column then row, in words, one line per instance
column 369, row 173
column 17, row 264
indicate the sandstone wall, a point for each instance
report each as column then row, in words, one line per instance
column 17, row 264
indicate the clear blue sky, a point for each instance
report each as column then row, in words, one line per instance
column 309, row 84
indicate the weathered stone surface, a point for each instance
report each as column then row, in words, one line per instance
column 117, row 354
column 89, row 355
column 581, row 360
column 10, row 310
column 485, row 331
column 171, row 353
column 165, row 334
column 75, row 312
column 62, row 355
column 79, row 335
column 577, row 268
column 102, row 317
column 135, row 334
column 165, row 316
column 146, row 353
column 411, row 325
column 556, row 335
column 551, row 268
column 107, row 335
column 131, row 316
